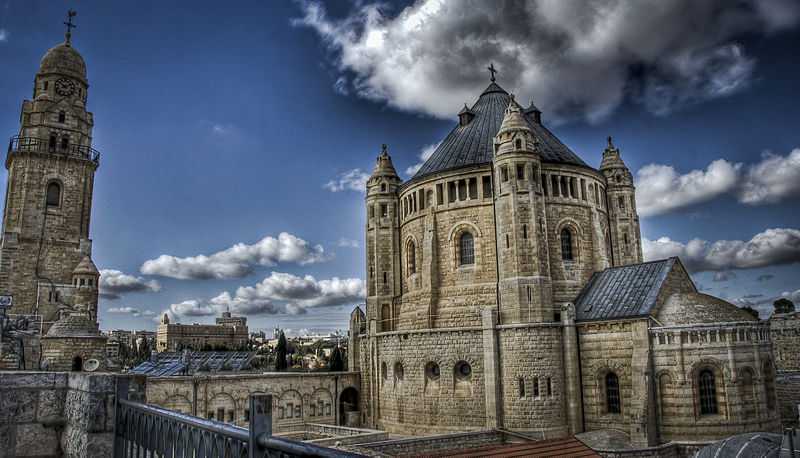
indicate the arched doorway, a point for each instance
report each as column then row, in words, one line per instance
column 348, row 408
column 77, row 364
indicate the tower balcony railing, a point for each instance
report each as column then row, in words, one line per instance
column 19, row 144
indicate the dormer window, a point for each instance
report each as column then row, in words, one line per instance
column 518, row 144
column 465, row 116
column 62, row 117
column 383, row 187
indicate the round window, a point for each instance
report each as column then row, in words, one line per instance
column 432, row 371
column 463, row 370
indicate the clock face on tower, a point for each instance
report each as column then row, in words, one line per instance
column 65, row 87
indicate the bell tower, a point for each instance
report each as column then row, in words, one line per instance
column 48, row 202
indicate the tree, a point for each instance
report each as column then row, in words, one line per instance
column 783, row 305
column 751, row 311
column 336, row 363
column 280, row 353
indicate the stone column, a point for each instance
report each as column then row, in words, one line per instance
column 491, row 369
column 572, row 380
column 643, row 432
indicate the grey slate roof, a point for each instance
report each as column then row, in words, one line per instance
column 472, row 144
column 751, row 445
column 622, row 292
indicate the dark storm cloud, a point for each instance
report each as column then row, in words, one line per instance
column 579, row 58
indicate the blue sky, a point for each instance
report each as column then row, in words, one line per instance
column 225, row 124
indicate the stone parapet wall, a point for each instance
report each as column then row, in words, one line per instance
column 298, row 397
column 57, row 414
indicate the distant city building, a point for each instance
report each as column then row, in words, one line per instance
column 230, row 333
column 122, row 336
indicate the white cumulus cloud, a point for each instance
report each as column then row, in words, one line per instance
column 114, row 283
column 774, row 178
column 661, row 189
column 135, row 312
column 347, row 243
column 238, row 260
column 771, row 247
column 3, row 35
column 351, row 180
column 578, row 58
column 279, row 293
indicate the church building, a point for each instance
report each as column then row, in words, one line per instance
column 506, row 289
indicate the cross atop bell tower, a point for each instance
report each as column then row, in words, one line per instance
column 492, row 70
column 68, row 34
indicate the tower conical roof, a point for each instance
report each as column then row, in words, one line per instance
column 85, row 267
column 383, row 165
column 611, row 157
column 472, row 143
column 514, row 119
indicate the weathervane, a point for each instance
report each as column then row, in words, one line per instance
column 492, row 70
column 70, row 14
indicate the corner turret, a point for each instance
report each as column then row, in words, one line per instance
column 524, row 282
column 382, row 242
column 623, row 218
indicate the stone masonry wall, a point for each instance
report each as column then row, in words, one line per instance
column 745, row 381
column 788, row 388
column 785, row 331
column 24, row 216
column 532, row 357
column 412, row 399
column 297, row 397
column 56, row 414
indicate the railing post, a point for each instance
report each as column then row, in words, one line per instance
column 260, row 423
column 122, row 389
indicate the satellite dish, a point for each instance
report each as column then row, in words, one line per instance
column 91, row 365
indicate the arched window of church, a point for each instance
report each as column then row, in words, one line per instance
column 412, row 257
column 64, row 142
column 566, row 245
column 53, row 194
column 62, row 117
column 518, row 144
column 612, row 393
column 621, row 201
column 466, row 245
column 708, row 393
column 52, row 143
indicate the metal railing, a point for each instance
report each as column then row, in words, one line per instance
column 19, row 144
column 147, row 431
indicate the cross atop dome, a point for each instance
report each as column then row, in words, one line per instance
column 492, row 70
column 68, row 35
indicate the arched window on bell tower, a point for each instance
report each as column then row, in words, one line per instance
column 53, row 194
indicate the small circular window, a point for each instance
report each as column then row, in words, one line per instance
column 432, row 371
column 463, row 370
